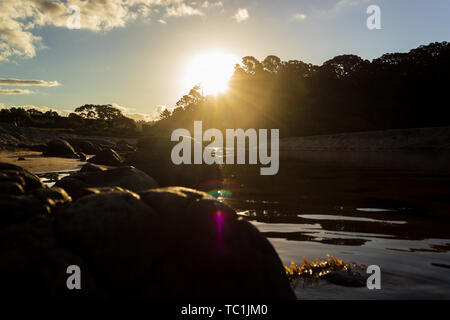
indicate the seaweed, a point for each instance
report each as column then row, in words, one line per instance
column 309, row 273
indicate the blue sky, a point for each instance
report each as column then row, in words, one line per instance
column 133, row 53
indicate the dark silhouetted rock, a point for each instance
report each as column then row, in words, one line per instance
column 154, row 158
column 82, row 156
column 346, row 278
column 34, row 265
column 53, row 196
column 11, row 172
column 21, row 159
column 98, row 226
column 124, row 146
column 171, row 243
column 10, row 187
column 38, row 147
column 107, row 157
column 18, row 208
column 84, row 146
column 60, row 148
column 90, row 167
column 125, row 177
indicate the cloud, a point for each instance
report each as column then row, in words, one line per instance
column 19, row 19
column 28, row 83
column 182, row 10
column 207, row 4
column 300, row 16
column 162, row 21
column 346, row 3
column 15, row 91
column 131, row 113
column 241, row 15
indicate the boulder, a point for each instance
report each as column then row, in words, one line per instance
column 90, row 167
column 171, row 243
column 11, row 172
column 154, row 158
column 60, row 148
column 84, row 146
column 52, row 196
column 82, row 156
column 10, row 187
column 346, row 278
column 34, row 265
column 107, row 157
column 97, row 226
column 125, row 177
column 18, row 208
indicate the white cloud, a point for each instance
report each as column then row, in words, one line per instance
column 300, row 16
column 207, row 4
column 162, row 21
column 28, row 83
column 241, row 15
column 346, row 3
column 15, row 91
column 19, row 19
column 182, row 10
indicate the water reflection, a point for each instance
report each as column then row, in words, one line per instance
column 390, row 209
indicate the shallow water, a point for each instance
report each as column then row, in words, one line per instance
column 390, row 210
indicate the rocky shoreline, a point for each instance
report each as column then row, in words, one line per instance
column 130, row 237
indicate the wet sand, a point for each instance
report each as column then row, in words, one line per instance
column 36, row 163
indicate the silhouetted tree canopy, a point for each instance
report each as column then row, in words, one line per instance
column 344, row 94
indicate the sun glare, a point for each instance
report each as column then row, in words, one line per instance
column 212, row 71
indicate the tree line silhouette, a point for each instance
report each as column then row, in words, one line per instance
column 344, row 94
column 87, row 119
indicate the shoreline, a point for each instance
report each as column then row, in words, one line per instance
column 36, row 163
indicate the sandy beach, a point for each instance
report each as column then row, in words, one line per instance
column 36, row 163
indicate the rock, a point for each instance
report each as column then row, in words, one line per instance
column 18, row 208
column 60, row 148
column 84, row 146
column 38, row 147
column 10, row 187
column 82, row 156
column 53, row 196
column 74, row 187
column 125, row 177
column 153, row 157
column 171, row 243
column 97, row 226
column 90, row 167
column 28, row 180
column 33, row 264
column 107, row 157
column 207, row 240
column 346, row 278
column 124, row 146
column 21, row 159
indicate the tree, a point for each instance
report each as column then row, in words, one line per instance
column 165, row 114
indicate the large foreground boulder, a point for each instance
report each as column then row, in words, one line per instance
column 34, row 265
column 96, row 176
column 171, row 243
column 60, row 148
column 107, row 157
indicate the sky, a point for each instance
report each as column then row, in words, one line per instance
column 135, row 53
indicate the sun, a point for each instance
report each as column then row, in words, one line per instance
column 212, row 71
